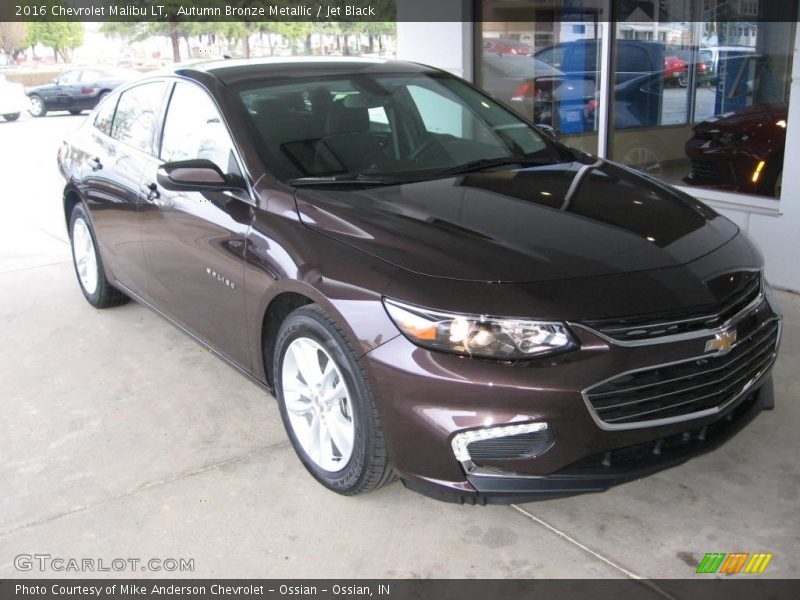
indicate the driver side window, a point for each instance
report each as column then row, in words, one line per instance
column 443, row 116
column 194, row 129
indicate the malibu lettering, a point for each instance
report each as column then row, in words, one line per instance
column 156, row 10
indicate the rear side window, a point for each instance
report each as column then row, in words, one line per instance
column 136, row 115
column 69, row 78
column 104, row 116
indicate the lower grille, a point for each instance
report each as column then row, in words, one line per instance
column 665, row 449
column 525, row 445
column 688, row 387
column 705, row 171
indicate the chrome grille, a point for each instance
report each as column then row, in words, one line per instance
column 655, row 326
column 688, row 387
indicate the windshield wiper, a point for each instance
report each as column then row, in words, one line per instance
column 340, row 179
column 485, row 163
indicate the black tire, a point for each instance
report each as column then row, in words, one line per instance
column 11, row 116
column 75, row 112
column 38, row 108
column 104, row 295
column 368, row 467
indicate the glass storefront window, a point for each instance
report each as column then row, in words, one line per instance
column 714, row 115
column 546, row 68
column 697, row 94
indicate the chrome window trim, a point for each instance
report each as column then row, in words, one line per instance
column 689, row 416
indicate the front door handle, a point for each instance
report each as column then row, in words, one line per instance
column 151, row 190
column 96, row 164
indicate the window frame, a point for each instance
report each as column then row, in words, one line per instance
column 173, row 82
column 158, row 115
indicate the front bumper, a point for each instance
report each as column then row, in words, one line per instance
column 427, row 398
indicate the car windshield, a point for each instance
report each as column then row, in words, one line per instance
column 381, row 128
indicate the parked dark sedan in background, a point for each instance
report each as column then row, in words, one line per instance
column 77, row 90
column 741, row 150
column 434, row 289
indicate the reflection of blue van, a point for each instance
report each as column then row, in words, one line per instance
column 570, row 100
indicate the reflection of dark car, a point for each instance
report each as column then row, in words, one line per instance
column 506, row 46
column 740, row 151
column 433, row 289
column 570, row 100
column 76, row 90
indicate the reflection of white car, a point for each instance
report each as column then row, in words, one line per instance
column 12, row 99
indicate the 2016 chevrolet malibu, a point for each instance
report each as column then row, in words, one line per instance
column 434, row 289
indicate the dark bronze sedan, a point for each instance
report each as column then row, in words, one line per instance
column 433, row 289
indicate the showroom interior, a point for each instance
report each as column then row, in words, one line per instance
column 128, row 440
column 649, row 130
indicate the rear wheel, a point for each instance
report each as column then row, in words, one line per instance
column 88, row 265
column 327, row 405
column 11, row 116
column 38, row 109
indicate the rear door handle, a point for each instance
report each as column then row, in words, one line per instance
column 96, row 164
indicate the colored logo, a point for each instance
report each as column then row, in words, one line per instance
column 722, row 342
column 734, row 563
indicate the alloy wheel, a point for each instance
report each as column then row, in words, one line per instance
column 37, row 106
column 318, row 404
column 83, row 253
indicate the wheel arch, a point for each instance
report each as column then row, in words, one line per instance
column 278, row 308
column 71, row 198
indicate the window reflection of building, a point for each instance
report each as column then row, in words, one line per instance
column 705, row 59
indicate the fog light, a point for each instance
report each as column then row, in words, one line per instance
column 505, row 442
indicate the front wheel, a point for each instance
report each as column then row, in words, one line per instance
column 327, row 405
column 11, row 116
column 96, row 288
column 38, row 109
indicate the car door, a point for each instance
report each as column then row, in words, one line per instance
column 119, row 144
column 194, row 242
column 65, row 91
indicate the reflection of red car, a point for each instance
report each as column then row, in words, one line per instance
column 740, row 151
column 676, row 68
column 506, row 46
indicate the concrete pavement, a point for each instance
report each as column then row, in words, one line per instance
column 124, row 439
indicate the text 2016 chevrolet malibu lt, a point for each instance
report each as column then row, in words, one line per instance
column 434, row 289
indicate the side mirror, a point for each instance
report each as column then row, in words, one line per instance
column 199, row 175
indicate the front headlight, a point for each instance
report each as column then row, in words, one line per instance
column 479, row 335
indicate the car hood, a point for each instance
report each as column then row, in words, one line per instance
column 521, row 225
column 748, row 119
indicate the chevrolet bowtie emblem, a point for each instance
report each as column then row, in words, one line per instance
column 722, row 342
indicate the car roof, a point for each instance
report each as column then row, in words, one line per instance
column 233, row 71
